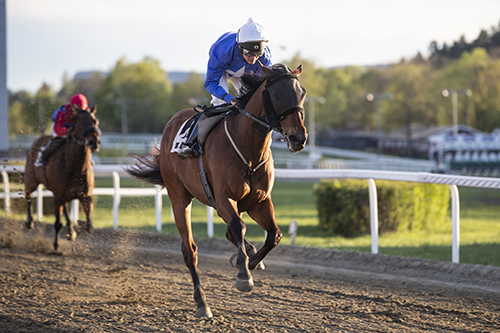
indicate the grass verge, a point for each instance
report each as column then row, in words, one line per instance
column 295, row 201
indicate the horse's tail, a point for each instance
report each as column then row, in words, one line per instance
column 147, row 167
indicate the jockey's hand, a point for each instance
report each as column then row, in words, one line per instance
column 71, row 128
column 235, row 102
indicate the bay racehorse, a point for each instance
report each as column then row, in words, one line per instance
column 238, row 165
column 68, row 173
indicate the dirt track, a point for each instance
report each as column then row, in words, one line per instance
column 131, row 282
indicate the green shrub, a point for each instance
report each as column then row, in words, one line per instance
column 344, row 208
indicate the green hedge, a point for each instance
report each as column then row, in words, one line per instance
column 344, row 208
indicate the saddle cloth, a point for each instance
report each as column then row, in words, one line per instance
column 206, row 121
column 183, row 133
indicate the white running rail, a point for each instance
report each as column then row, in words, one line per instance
column 371, row 175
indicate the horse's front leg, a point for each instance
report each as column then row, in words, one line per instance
column 237, row 229
column 263, row 214
column 87, row 205
column 70, row 233
column 58, row 207
column 249, row 247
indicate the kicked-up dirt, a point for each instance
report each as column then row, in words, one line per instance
column 118, row 281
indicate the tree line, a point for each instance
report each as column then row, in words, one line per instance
column 150, row 99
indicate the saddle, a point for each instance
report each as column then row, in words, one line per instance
column 48, row 150
column 200, row 125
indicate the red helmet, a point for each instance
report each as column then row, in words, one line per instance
column 79, row 101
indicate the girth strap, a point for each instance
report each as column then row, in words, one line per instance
column 205, row 184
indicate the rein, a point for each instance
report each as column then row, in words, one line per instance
column 251, row 170
column 271, row 116
column 86, row 132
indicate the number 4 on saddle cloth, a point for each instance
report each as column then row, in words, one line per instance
column 190, row 138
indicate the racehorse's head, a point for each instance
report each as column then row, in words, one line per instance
column 87, row 130
column 283, row 100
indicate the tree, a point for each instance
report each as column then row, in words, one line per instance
column 30, row 114
column 89, row 86
column 190, row 92
column 409, row 86
column 142, row 90
column 479, row 73
column 342, row 93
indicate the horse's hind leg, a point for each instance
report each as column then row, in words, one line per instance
column 29, row 221
column 263, row 214
column 182, row 214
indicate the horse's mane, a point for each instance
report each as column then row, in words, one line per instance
column 250, row 82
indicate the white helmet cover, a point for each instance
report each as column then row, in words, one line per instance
column 251, row 32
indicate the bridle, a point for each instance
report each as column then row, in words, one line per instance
column 272, row 121
column 92, row 129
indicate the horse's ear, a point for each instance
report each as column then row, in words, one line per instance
column 94, row 109
column 298, row 71
column 268, row 71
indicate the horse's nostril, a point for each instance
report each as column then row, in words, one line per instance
column 293, row 139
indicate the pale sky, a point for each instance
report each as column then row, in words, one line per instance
column 48, row 38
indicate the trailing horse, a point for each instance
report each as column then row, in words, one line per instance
column 236, row 168
column 68, row 173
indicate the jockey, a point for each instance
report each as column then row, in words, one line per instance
column 231, row 56
column 63, row 119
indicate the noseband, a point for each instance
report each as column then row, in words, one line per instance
column 273, row 118
column 86, row 132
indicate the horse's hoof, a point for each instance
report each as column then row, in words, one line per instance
column 29, row 225
column 204, row 312
column 244, row 285
column 84, row 226
column 234, row 261
column 71, row 236
column 261, row 265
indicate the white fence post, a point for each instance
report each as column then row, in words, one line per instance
column 455, row 224
column 158, row 204
column 116, row 198
column 39, row 202
column 372, row 190
column 210, row 221
column 6, row 188
column 74, row 211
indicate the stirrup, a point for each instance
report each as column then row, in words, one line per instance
column 40, row 160
column 188, row 152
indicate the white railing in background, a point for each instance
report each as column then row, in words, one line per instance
column 100, row 171
column 422, row 177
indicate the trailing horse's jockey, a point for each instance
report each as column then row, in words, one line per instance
column 63, row 119
column 231, row 56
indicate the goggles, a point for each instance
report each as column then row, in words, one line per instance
column 250, row 53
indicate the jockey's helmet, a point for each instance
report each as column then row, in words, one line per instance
column 252, row 38
column 79, row 101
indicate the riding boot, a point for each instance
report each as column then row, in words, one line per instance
column 190, row 147
column 50, row 149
